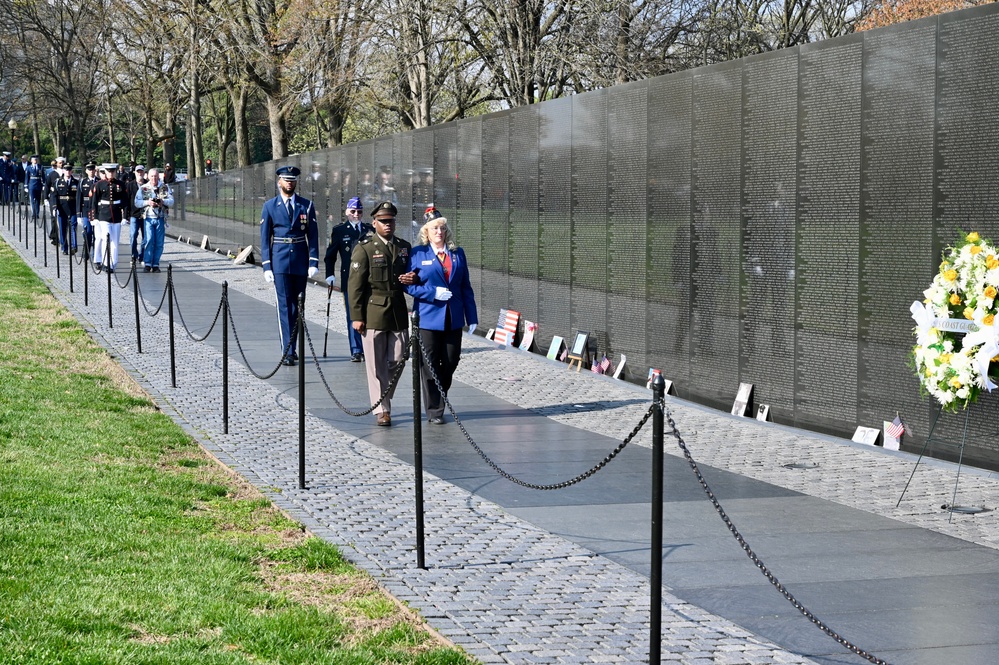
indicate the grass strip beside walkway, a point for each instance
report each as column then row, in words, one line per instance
column 122, row 541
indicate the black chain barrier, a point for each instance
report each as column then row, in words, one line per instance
column 388, row 389
column 180, row 314
column 142, row 298
column 288, row 349
column 131, row 276
column 495, row 467
column 752, row 555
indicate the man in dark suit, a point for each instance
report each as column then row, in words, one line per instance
column 342, row 240
column 289, row 244
column 379, row 269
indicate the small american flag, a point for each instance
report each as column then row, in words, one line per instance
column 896, row 429
column 601, row 367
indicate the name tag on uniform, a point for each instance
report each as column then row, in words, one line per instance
column 428, row 263
column 379, row 260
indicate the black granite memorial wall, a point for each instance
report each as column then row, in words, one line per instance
column 767, row 220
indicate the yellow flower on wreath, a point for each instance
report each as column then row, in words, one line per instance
column 976, row 249
column 973, row 236
column 955, row 299
column 991, row 262
column 990, row 291
column 950, row 275
column 989, row 319
column 969, row 313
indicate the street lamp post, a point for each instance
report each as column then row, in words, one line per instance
column 10, row 195
column 12, row 125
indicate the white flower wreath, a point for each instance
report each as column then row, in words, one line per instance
column 957, row 341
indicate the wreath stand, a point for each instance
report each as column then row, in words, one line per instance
column 952, row 507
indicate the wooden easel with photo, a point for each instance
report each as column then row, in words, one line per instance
column 578, row 353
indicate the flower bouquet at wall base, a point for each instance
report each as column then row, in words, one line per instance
column 956, row 355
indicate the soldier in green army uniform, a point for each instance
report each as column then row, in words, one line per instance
column 378, row 272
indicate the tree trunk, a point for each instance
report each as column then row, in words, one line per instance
column 239, row 104
column 278, row 126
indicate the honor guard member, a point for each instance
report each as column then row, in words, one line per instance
column 84, row 204
column 6, row 178
column 109, row 207
column 48, row 193
column 343, row 238
column 289, row 244
column 19, row 178
column 66, row 188
column 379, row 268
column 34, row 181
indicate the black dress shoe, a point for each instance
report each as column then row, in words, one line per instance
column 147, row 269
column 98, row 268
column 289, row 362
column 156, row 268
column 436, row 421
column 356, row 358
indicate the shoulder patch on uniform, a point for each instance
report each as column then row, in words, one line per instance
column 355, row 264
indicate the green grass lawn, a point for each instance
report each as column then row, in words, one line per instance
column 122, row 541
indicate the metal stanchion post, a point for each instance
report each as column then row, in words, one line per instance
column 656, row 555
column 173, row 351
column 107, row 271
column 418, row 442
column 135, row 298
column 225, row 357
column 326, row 337
column 58, row 246
column 301, row 391
column 45, row 245
column 86, row 272
column 69, row 243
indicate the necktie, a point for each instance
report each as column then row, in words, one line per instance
column 445, row 263
column 291, row 212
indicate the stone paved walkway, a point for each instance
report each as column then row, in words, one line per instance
column 501, row 588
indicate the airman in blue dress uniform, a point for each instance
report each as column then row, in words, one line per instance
column 343, row 237
column 289, row 245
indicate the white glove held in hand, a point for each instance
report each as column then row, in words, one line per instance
column 472, row 327
column 312, row 271
column 331, row 280
column 268, row 276
column 442, row 294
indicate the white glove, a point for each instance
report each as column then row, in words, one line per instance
column 268, row 276
column 312, row 271
column 331, row 280
column 442, row 294
column 472, row 327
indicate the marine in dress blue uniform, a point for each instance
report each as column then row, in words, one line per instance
column 289, row 244
column 343, row 237
column 7, row 175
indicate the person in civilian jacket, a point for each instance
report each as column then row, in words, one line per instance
column 444, row 300
column 289, row 245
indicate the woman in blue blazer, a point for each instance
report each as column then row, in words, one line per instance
column 444, row 300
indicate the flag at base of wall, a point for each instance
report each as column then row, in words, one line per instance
column 506, row 327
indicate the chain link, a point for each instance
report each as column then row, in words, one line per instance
column 183, row 323
column 752, row 555
column 142, row 298
column 428, row 367
column 286, row 353
column 385, row 393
